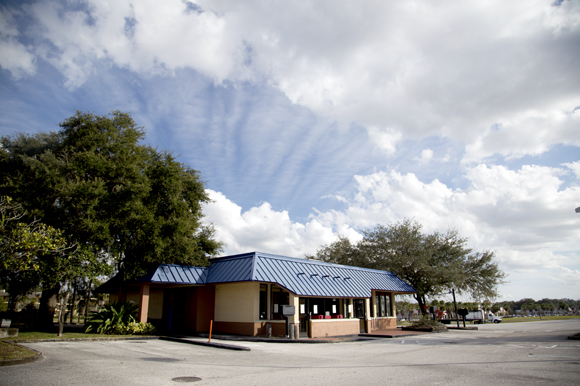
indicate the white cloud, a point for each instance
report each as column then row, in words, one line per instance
column 264, row 229
column 523, row 214
column 418, row 69
column 530, row 133
column 385, row 139
column 568, row 277
column 426, row 156
column 575, row 167
column 14, row 56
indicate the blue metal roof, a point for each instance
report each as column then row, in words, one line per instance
column 300, row 276
column 177, row 274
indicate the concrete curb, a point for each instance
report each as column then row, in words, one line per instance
column 208, row 344
column 389, row 336
column 349, row 338
column 81, row 339
column 21, row 361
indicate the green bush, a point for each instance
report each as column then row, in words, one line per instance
column 118, row 319
column 426, row 321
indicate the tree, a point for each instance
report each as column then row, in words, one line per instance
column 119, row 201
column 21, row 246
column 431, row 263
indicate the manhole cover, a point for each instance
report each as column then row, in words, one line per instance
column 186, row 379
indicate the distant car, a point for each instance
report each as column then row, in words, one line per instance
column 492, row 318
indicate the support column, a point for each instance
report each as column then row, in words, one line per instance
column 294, row 300
column 269, row 301
column 368, row 314
column 144, row 303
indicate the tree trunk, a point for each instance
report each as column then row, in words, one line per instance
column 72, row 307
column 61, row 314
column 421, row 300
column 48, row 302
column 88, row 299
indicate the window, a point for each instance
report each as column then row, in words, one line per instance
column 263, row 301
column 383, row 303
column 279, row 297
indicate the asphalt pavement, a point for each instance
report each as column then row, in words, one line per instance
column 496, row 354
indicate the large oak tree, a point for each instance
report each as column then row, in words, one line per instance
column 109, row 194
column 431, row 263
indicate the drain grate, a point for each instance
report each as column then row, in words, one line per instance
column 186, row 379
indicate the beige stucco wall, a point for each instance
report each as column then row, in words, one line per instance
column 237, row 302
column 155, row 303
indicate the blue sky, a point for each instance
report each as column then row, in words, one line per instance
column 310, row 120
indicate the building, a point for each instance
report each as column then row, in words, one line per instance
column 244, row 294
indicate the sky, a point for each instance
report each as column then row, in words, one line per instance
column 314, row 119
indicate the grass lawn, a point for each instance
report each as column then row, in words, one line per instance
column 537, row 318
column 510, row 320
column 66, row 335
column 12, row 351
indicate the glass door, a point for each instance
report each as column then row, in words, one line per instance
column 304, row 317
column 359, row 312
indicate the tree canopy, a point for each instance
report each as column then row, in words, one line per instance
column 431, row 263
column 111, row 195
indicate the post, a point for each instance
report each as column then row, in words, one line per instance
column 210, row 327
column 144, row 303
column 455, row 302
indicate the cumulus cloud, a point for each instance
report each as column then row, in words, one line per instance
column 523, row 215
column 488, row 74
column 575, row 167
column 530, row 133
column 426, row 156
column 264, row 229
column 14, row 56
column 568, row 277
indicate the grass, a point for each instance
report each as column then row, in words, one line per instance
column 537, row 319
column 52, row 335
column 11, row 351
column 511, row 320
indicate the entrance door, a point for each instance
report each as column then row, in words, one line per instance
column 174, row 311
column 359, row 312
column 304, row 318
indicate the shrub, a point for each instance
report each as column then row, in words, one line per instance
column 426, row 321
column 119, row 319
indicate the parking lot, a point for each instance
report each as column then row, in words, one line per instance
column 500, row 354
